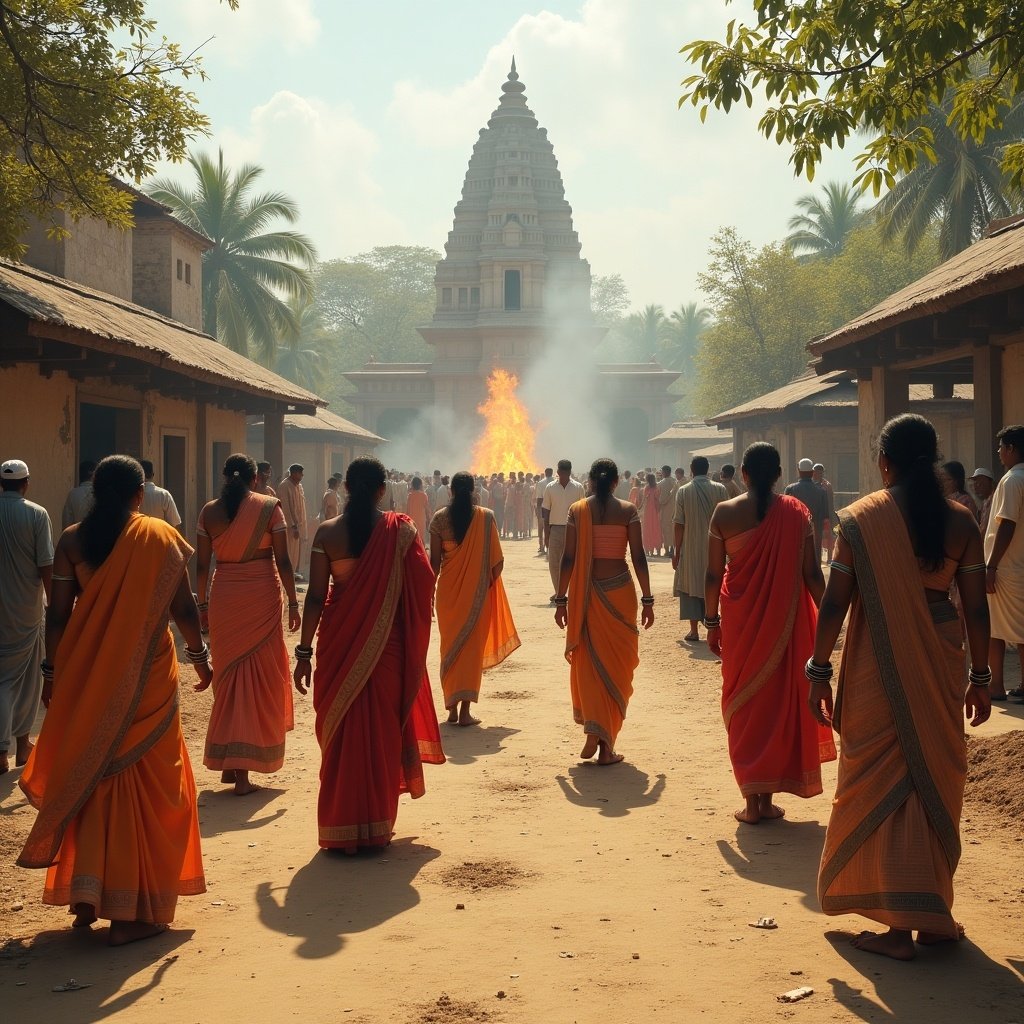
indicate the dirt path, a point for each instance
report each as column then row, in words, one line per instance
column 589, row 894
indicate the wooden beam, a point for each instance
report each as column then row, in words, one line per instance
column 273, row 439
column 988, row 403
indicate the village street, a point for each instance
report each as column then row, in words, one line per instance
column 524, row 887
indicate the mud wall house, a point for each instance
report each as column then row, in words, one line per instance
column 815, row 417
column 677, row 445
column 960, row 324
column 102, row 351
column 323, row 444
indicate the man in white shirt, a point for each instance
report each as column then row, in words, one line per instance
column 538, row 501
column 79, row 499
column 330, row 504
column 559, row 496
column 157, row 502
column 400, row 492
column 624, row 486
column 1004, row 559
column 293, row 504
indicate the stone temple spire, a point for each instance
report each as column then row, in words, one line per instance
column 513, row 102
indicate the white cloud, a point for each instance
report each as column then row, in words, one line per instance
column 323, row 157
column 257, row 24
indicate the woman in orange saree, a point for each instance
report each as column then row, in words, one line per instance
column 596, row 606
column 893, row 839
column 252, row 695
column 473, row 615
column 650, row 517
column 761, row 612
column 375, row 717
column 419, row 506
column 110, row 776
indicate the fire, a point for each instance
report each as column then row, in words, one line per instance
column 508, row 439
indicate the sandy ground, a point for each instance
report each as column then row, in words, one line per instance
column 524, row 887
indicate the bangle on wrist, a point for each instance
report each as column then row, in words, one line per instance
column 647, row 601
column 815, row 673
column 980, row 677
column 293, row 604
column 561, row 602
column 304, row 653
column 198, row 657
column 202, row 605
column 712, row 621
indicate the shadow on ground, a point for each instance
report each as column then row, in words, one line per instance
column 613, row 789
column 465, row 745
column 335, row 895
column 221, row 811
column 935, row 981
column 779, row 853
column 84, row 955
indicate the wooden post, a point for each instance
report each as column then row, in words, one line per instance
column 202, row 457
column 881, row 394
column 273, row 443
column 988, row 405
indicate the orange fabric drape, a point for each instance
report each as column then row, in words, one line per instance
column 893, row 840
column 768, row 623
column 375, row 718
column 602, row 642
column 110, row 775
column 252, row 693
column 473, row 614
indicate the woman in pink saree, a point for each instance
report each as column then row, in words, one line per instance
column 252, row 706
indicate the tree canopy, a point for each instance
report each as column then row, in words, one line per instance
column 767, row 305
column 87, row 90
column 830, row 68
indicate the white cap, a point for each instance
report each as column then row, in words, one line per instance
column 14, row 469
column 982, row 471
column 805, row 466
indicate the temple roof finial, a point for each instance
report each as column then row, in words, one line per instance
column 512, row 74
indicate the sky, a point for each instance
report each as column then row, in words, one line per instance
column 366, row 114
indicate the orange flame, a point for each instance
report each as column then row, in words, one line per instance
column 508, row 440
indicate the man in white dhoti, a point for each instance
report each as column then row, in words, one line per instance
column 667, row 488
column 1004, row 559
column 293, row 503
column 26, row 567
column 695, row 502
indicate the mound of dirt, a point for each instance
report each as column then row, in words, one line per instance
column 484, row 874
column 993, row 776
column 452, row 1011
column 512, row 695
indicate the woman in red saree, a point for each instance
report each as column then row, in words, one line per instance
column 596, row 605
column 473, row 615
column 761, row 613
column 893, row 840
column 375, row 717
column 252, row 695
column 110, row 776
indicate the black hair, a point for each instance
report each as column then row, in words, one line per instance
column 262, row 467
column 460, row 507
column 1013, row 437
column 604, row 475
column 666, row 470
column 147, row 467
column 958, row 474
column 764, row 467
column 728, row 471
column 564, row 466
column 364, row 479
column 417, row 484
column 239, row 472
column 116, row 481
column 699, row 465
column 910, row 444
column 86, row 468
column 548, row 471
column 651, row 482
column 13, row 485
column 296, row 467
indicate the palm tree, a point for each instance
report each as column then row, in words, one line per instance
column 823, row 225
column 964, row 189
column 303, row 365
column 645, row 330
column 251, row 273
column 682, row 335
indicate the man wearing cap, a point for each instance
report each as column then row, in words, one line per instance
column 26, row 567
column 983, row 483
column 813, row 496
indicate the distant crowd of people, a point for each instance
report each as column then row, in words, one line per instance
column 117, row 827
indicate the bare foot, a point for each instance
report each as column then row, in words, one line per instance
column 123, row 932
column 769, row 811
column 935, row 938
column 897, row 945
column 24, row 748
column 589, row 747
column 85, row 915
column 453, row 716
column 468, row 719
column 245, row 788
column 228, row 777
column 747, row 816
column 608, row 755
